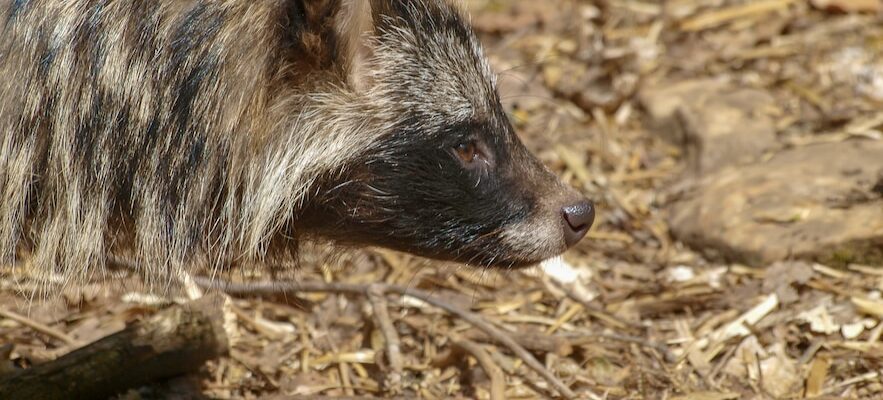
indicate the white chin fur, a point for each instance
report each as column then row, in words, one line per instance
column 535, row 238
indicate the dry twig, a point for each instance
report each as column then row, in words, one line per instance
column 498, row 382
column 376, row 294
column 39, row 327
column 532, row 341
column 581, row 338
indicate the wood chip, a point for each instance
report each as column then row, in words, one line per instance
column 719, row 17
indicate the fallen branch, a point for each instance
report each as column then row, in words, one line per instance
column 277, row 288
column 176, row 341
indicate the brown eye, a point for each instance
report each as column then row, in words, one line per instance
column 466, row 151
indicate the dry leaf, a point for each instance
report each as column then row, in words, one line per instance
column 854, row 330
column 819, row 320
column 782, row 276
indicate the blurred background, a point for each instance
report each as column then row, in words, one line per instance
column 734, row 151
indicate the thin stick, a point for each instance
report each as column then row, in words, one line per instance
column 376, row 294
column 275, row 288
column 45, row 329
column 535, row 342
column 498, row 381
column 580, row 338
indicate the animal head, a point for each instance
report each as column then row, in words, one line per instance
column 448, row 178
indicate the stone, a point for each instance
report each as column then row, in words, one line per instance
column 715, row 123
column 822, row 203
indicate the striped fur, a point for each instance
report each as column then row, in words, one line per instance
column 186, row 132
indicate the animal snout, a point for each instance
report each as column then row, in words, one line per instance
column 578, row 218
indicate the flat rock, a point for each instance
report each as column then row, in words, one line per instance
column 821, row 202
column 715, row 123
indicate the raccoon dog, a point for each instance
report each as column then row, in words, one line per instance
column 218, row 132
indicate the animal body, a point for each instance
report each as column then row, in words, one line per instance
column 219, row 132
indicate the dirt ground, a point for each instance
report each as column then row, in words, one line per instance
column 735, row 155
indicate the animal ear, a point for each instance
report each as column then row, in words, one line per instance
column 357, row 24
column 354, row 24
column 335, row 34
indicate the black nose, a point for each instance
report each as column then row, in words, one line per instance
column 578, row 218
